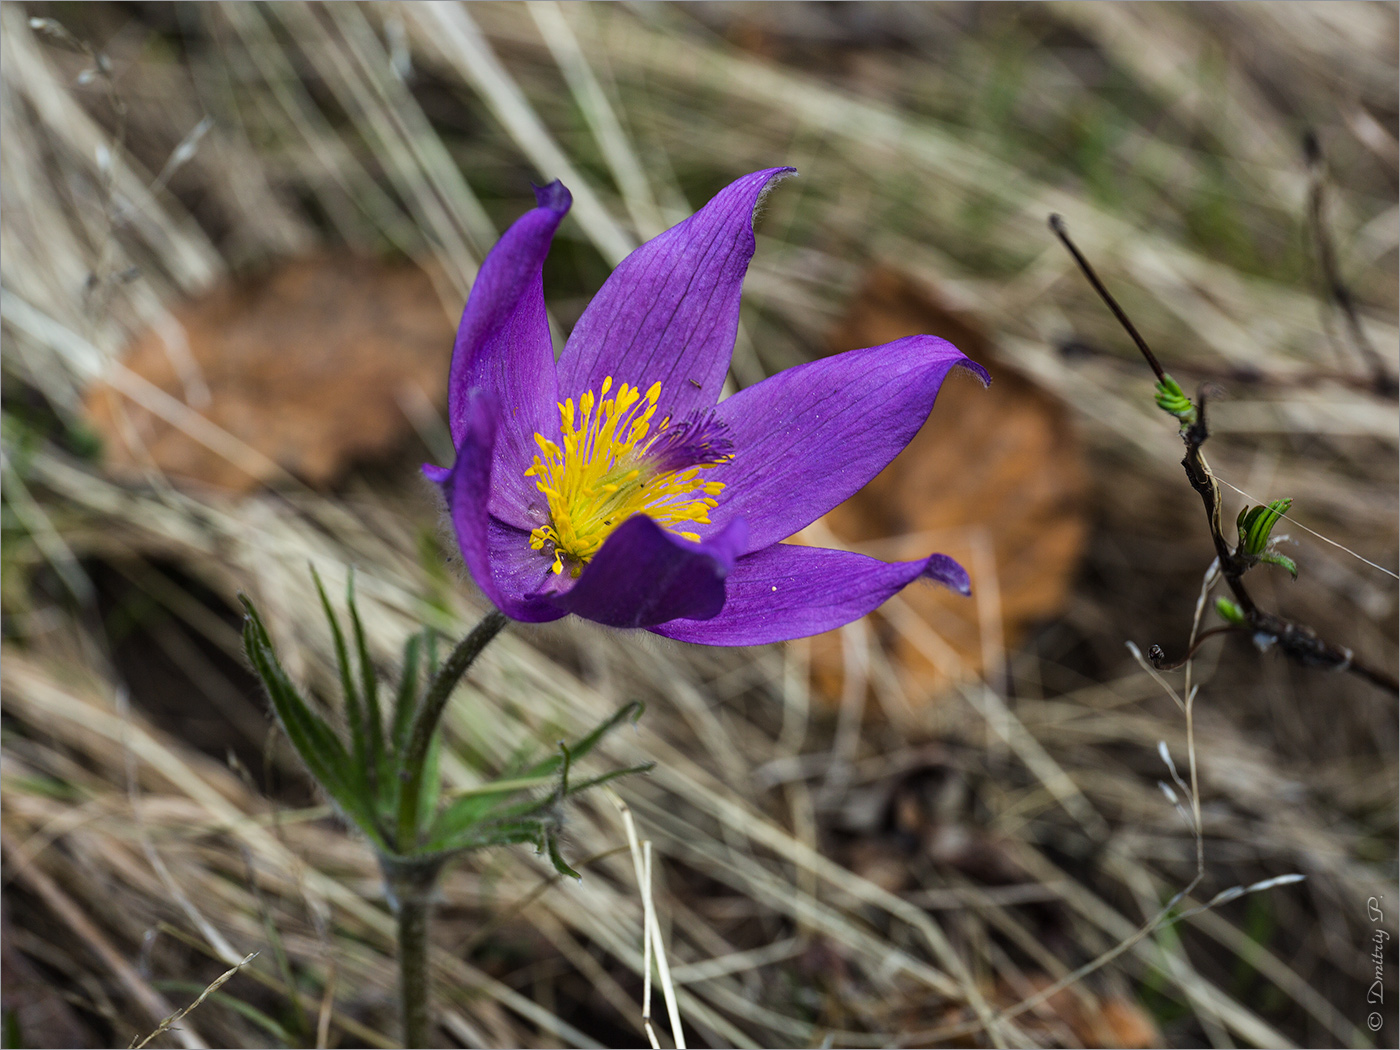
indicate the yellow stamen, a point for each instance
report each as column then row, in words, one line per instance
column 599, row 475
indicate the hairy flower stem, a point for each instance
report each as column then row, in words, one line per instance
column 410, row 888
column 426, row 720
column 413, row 971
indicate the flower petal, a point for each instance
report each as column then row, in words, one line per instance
column 494, row 552
column 806, row 439
column 786, row 591
column 644, row 575
column 503, row 347
column 670, row 311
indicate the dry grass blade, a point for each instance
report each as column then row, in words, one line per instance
column 72, row 915
column 179, row 1015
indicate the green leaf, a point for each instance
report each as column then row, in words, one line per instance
column 314, row 741
column 468, row 817
column 524, row 808
column 354, row 715
column 1256, row 524
column 1229, row 611
column 378, row 767
column 531, row 831
column 633, row 709
column 1281, row 560
column 432, row 781
column 472, row 809
column 557, row 858
column 406, row 701
column 603, row 778
column 432, row 655
column 565, row 759
column 488, row 810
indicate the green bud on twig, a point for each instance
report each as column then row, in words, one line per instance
column 1257, row 523
column 1256, row 526
column 1229, row 611
column 1172, row 399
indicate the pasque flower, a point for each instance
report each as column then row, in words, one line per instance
column 616, row 486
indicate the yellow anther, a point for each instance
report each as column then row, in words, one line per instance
column 598, row 475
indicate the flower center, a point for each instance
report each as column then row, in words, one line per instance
column 612, row 466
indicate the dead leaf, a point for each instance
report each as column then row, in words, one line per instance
column 995, row 478
column 308, row 364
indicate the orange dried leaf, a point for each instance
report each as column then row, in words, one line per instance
column 309, row 364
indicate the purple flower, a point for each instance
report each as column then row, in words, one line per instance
column 612, row 485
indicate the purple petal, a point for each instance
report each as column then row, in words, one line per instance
column 495, row 553
column 644, row 575
column 785, row 591
column 942, row 569
column 809, row 438
column 670, row 311
column 503, row 347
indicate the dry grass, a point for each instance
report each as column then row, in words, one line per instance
column 155, row 834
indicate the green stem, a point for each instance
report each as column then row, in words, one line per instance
column 413, row 968
column 426, row 720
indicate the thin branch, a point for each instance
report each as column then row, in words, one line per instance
column 1158, row 657
column 1058, row 225
column 1297, row 641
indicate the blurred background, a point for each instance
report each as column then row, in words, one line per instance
column 235, row 241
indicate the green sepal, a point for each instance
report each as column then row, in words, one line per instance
column 1230, row 612
column 1255, row 525
column 1173, row 400
column 1281, row 560
column 314, row 741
